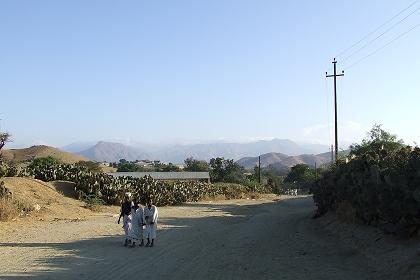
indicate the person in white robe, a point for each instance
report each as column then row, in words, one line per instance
column 151, row 217
column 137, row 225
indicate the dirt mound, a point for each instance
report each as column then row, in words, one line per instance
column 22, row 155
column 45, row 199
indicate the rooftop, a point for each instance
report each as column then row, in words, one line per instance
column 164, row 175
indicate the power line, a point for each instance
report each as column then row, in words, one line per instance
column 384, row 46
column 380, row 35
column 379, row 27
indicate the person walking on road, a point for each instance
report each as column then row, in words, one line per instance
column 126, row 215
column 137, row 224
column 151, row 218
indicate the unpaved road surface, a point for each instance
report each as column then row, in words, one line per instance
column 238, row 239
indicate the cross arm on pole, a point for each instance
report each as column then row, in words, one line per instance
column 329, row 76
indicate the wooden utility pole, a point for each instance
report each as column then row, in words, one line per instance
column 259, row 169
column 316, row 172
column 335, row 103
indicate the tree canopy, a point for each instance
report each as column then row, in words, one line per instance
column 4, row 138
column 377, row 140
column 301, row 174
column 195, row 165
column 226, row 170
column 89, row 165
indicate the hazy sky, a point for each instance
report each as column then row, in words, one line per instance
column 203, row 70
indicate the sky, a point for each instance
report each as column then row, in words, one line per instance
column 194, row 70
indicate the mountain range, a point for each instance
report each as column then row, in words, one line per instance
column 282, row 162
column 112, row 152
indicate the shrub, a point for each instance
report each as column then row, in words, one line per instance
column 92, row 202
column 379, row 185
column 94, row 187
column 8, row 170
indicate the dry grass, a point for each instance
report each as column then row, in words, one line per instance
column 94, row 207
column 11, row 208
column 28, row 194
column 8, row 209
column 255, row 195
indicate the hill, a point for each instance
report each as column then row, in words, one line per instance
column 16, row 156
column 266, row 160
column 43, row 200
column 112, row 152
column 280, row 161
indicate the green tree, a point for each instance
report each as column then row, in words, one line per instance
column 89, row 165
column 195, row 165
column 170, row 167
column 301, row 175
column 274, row 178
column 377, row 140
column 126, row 166
column 226, row 170
column 45, row 161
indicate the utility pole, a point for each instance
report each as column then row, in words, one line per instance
column 332, row 154
column 259, row 169
column 316, row 172
column 335, row 103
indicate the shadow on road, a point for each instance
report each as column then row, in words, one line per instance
column 180, row 242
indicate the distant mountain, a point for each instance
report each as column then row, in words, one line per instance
column 21, row 155
column 266, row 160
column 228, row 150
column 178, row 154
column 77, row 147
column 106, row 151
column 279, row 161
column 112, row 152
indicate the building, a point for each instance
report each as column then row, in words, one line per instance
column 167, row 176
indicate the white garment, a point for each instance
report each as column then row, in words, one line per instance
column 151, row 217
column 127, row 225
column 137, row 221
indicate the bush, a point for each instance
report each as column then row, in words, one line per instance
column 92, row 202
column 91, row 166
column 100, row 187
column 8, row 170
column 380, row 184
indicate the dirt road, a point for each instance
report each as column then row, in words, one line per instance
column 239, row 239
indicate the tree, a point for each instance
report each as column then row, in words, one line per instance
column 45, row 161
column 195, row 165
column 376, row 141
column 126, row 166
column 301, row 174
column 89, row 165
column 170, row 167
column 274, row 177
column 226, row 170
column 4, row 138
